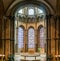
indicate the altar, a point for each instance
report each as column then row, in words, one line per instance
column 27, row 56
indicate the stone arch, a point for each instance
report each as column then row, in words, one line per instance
column 30, row 27
column 22, row 26
column 18, row 3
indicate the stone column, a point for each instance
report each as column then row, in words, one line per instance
column 26, row 40
column 7, row 38
column 12, row 36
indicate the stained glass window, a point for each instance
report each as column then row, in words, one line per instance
column 20, row 11
column 31, row 43
column 40, row 11
column 20, row 37
column 42, row 37
column 31, row 11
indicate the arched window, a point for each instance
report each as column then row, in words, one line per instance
column 42, row 37
column 30, row 11
column 31, row 43
column 20, row 37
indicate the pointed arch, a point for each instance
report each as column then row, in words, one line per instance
column 31, row 43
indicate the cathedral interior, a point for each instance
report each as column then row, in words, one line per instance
column 29, row 30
